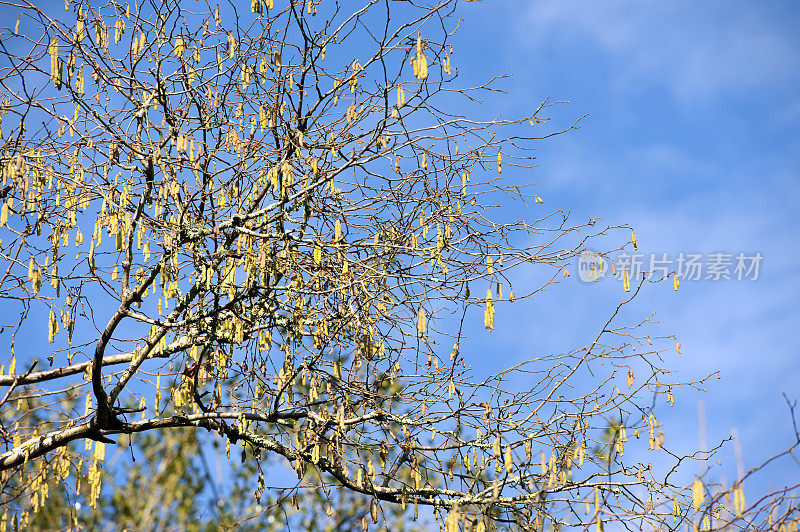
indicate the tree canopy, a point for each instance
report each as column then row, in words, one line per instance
column 271, row 222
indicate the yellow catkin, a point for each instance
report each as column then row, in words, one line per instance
column 420, row 62
column 119, row 30
column 738, row 500
column 54, row 63
column 488, row 313
column 231, row 46
column 698, row 494
column 422, row 322
column 52, row 326
column 100, row 451
column 79, row 25
column 179, row 47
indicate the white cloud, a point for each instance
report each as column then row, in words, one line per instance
column 695, row 49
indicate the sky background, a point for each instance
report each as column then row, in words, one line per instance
column 692, row 139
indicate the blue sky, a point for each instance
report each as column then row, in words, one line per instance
column 692, row 138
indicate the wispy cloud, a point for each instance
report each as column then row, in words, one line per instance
column 695, row 49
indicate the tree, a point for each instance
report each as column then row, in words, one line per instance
column 267, row 224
